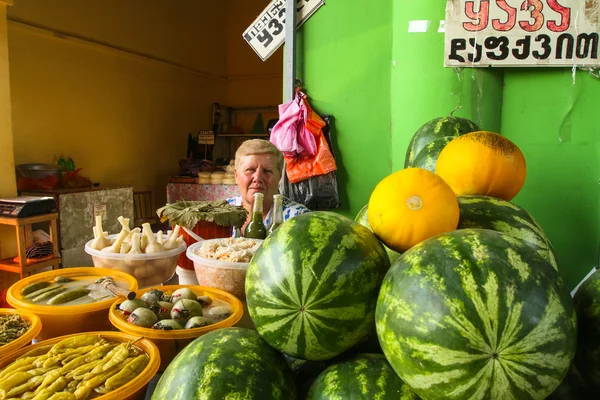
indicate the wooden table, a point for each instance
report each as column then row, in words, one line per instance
column 23, row 231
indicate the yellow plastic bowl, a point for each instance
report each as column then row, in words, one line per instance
column 133, row 390
column 27, row 337
column 64, row 320
column 170, row 343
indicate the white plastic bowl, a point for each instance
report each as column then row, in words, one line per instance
column 149, row 269
column 227, row 276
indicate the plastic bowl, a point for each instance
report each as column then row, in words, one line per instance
column 170, row 343
column 64, row 320
column 133, row 390
column 149, row 269
column 227, row 276
column 27, row 337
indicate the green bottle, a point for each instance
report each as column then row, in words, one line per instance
column 277, row 215
column 256, row 228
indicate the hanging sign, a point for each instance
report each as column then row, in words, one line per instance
column 206, row 137
column 555, row 33
column 267, row 32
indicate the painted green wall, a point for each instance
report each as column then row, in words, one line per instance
column 556, row 123
column 346, row 70
column 381, row 82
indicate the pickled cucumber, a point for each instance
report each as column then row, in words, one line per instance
column 67, row 296
column 49, row 294
column 33, row 287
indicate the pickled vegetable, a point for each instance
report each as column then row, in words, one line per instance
column 73, row 371
column 142, row 317
column 12, row 327
column 167, row 325
column 186, row 309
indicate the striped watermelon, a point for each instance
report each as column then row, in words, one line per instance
column 572, row 387
column 587, row 304
column 432, row 137
column 228, row 363
column 476, row 314
column 367, row 376
column 363, row 218
column 312, row 286
column 499, row 215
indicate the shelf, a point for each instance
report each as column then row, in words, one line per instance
column 10, row 265
column 28, row 220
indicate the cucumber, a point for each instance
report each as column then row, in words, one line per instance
column 48, row 294
column 67, row 296
column 42, row 291
column 32, row 287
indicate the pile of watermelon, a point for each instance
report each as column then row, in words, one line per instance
column 479, row 312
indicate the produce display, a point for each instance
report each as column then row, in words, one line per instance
column 223, row 263
column 431, row 138
column 229, row 249
column 500, row 215
column 363, row 218
column 482, row 163
column 12, row 327
column 455, row 287
column 78, row 367
column 66, row 291
column 229, row 363
column 150, row 258
column 368, row 374
column 587, row 303
column 311, row 287
column 476, row 313
column 182, row 309
column 411, row 205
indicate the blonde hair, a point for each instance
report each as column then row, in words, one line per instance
column 258, row 146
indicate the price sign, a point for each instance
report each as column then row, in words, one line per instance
column 554, row 33
column 267, row 32
column 206, row 137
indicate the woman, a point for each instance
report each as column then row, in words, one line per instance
column 258, row 168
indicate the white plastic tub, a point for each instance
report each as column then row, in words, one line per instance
column 149, row 269
column 228, row 276
column 186, row 277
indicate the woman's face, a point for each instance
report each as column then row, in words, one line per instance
column 257, row 173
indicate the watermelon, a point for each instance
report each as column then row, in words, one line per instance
column 363, row 218
column 439, row 130
column 476, row 314
column 499, row 215
column 587, row 304
column 228, row 363
column 572, row 387
column 367, row 376
column 311, row 287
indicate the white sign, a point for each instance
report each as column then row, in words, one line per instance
column 481, row 33
column 206, row 137
column 267, row 32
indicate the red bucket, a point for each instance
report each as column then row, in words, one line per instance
column 206, row 230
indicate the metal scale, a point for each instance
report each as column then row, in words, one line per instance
column 25, row 206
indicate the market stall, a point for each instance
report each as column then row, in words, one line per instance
column 435, row 282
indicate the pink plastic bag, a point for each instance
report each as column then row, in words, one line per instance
column 290, row 134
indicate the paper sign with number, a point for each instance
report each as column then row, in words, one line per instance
column 206, row 137
column 267, row 32
column 522, row 32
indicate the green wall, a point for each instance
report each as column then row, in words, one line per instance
column 345, row 65
column 556, row 123
column 381, row 82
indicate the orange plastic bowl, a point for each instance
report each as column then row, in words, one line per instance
column 64, row 320
column 133, row 390
column 27, row 337
column 170, row 343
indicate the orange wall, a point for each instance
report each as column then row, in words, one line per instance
column 123, row 117
column 251, row 81
column 118, row 85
